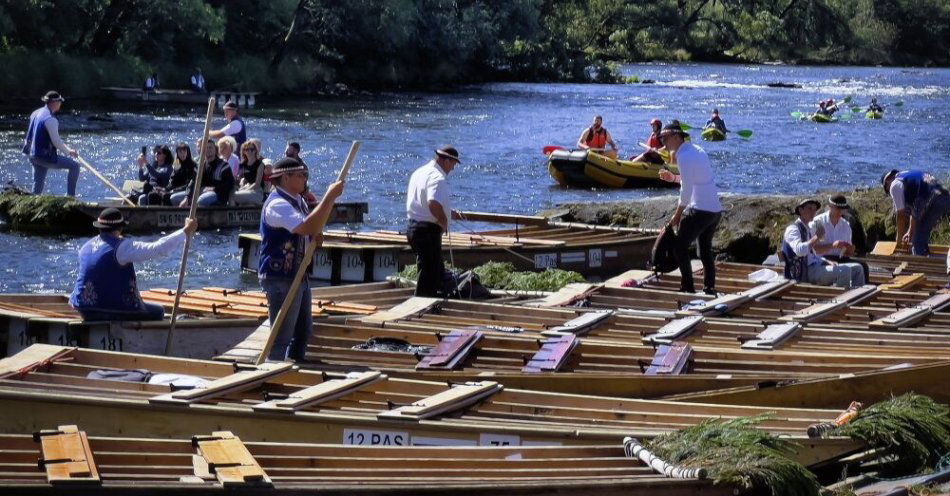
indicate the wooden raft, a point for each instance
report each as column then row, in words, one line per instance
column 235, row 303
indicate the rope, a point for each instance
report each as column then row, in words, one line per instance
column 464, row 226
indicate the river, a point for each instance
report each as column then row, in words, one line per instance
column 500, row 129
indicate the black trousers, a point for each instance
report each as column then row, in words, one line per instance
column 863, row 264
column 699, row 226
column 425, row 238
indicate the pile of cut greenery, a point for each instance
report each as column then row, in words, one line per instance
column 499, row 275
column 43, row 212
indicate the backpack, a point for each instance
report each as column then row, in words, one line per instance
column 469, row 286
column 663, row 257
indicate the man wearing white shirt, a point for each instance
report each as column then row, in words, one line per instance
column 836, row 244
column 698, row 212
column 800, row 247
column 235, row 128
column 198, row 82
column 42, row 142
column 287, row 225
column 106, row 287
column 427, row 206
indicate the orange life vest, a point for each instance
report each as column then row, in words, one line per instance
column 596, row 139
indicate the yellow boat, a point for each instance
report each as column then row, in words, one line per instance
column 584, row 168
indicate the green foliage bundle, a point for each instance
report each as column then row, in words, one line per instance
column 913, row 431
column 735, row 452
column 502, row 275
column 37, row 210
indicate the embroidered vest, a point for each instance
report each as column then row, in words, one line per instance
column 281, row 250
column 796, row 267
column 38, row 143
column 103, row 283
column 241, row 135
column 917, row 191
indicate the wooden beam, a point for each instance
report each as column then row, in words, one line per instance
column 230, row 461
column 455, row 398
column 413, row 306
column 239, row 381
column 67, row 457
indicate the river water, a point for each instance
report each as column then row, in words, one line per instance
column 500, row 129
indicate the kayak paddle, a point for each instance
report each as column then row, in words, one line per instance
column 745, row 133
column 798, row 115
column 899, row 103
column 551, row 148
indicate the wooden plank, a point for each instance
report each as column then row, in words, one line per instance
column 67, row 457
column 905, row 282
column 845, row 299
column 239, row 381
column 31, row 358
column 671, row 359
column 569, row 294
column 553, row 354
column 773, row 336
column 455, row 398
column 580, row 325
column 884, row 248
column 323, row 392
column 631, row 278
column 527, row 220
column 727, row 303
column 911, row 315
column 675, row 329
column 409, row 308
column 451, row 350
column 230, row 461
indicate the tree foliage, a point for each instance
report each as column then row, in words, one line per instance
column 303, row 45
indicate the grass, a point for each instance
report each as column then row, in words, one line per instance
column 499, row 275
column 736, row 453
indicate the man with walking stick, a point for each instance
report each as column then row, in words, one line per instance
column 42, row 142
column 286, row 225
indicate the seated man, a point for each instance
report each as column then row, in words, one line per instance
column 920, row 203
column 596, row 138
column 837, row 229
column 106, row 288
column 716, row 121
column 802, row 262
column 874, row 107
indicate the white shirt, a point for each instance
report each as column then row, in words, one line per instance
column 897, row 194
column 800, row 246
column 280, row 213
column 235, row 164
column 232, row 128
column 198, row 81
column 130, row 251
column 428, row 182
column 697, row 184
column 840, row 232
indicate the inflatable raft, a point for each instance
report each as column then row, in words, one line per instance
column 583, row 168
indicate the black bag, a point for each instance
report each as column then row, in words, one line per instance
column 469, row 286
column 663, row 258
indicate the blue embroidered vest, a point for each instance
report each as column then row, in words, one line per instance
column 917, row 190
column 103, row 283
column 281, row 250
column 38, row 143
column 796, row 267
column 241, row 136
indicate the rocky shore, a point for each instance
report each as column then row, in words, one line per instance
column 752, row 225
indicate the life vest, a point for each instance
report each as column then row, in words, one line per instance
column 654, row 141
column 281, row 250
column 103, row 283
column 796, row 267
column 241, row 135
column 38, row 143
column 596, row 139
column 917, row 190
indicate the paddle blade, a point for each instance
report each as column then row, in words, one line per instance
column 846, row 116
column 848, row 98
column 550, row 148
column 855, row 109
column 798, row 115
column 745, row 133
column 899, row 103
column 685, row 127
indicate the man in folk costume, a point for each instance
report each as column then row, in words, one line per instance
column 286, row 225
column 42, row 141
column 106, row 288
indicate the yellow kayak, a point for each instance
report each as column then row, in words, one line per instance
column 713, row 134
column 874, row 115
column 583, row 168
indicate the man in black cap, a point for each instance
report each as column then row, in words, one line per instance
column 836, row 244
column 106, row 288
column 42, row 141
column 287, row 225
column 427, row 206
column 698, row 214
column 235, row 127
column 801, row 250
column 920, row 203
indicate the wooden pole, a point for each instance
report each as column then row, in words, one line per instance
column 633, row 449
column 302, row 270
column 192, row 212
column 104, row 180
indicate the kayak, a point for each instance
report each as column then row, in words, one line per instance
column 713, row 134
column 822, row 118
column 584, row 168
column 874, row 115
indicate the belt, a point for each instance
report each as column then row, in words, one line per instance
column 423, row 222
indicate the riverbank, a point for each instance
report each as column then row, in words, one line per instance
column 752, row 225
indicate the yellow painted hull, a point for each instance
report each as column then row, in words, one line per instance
column 590, row 169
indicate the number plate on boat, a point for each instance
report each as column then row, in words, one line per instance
column 361, row 437
column 498, row 440
column 545, row 260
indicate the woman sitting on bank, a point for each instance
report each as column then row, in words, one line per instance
column 184, row 170
column 250, row 184
column 155, row 176
column 217, row 182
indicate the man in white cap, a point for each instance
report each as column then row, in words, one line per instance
column 235, row 127
column 427, row 206
column 42, row 142
column 287, row 225
column 801, row 249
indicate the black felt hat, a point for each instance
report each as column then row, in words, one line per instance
column 674, row 127
column 448, row 152
column 110, row 218
column 230, row 105
column 53, row 96
column 286, row 165
column 806, row 202
column 884, row 178
column 839, row 201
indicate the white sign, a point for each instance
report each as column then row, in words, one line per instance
column 596, row 257
column 353, row 269
column 322, row 265
column 385, row 263
column 360, row 437
column 545, row 260
column 498, row 440
column 171, row 218
column 441, row 441
column 573, row 257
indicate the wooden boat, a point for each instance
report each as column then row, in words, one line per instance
column 213, row 320
column 275, row 402
column 587, row 169
column 899, row 262
column 213, row 462
column 533, row 243
column 244, row 99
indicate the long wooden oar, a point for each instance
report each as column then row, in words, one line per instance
column 104, row 180
column 302, row 270
column 202, row 161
